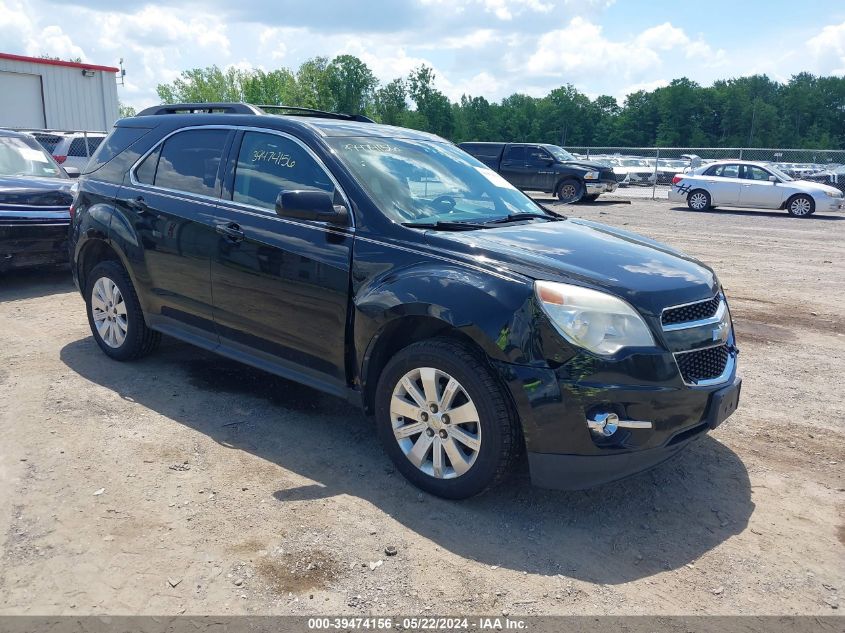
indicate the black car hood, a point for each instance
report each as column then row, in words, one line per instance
column 34, row 191
column 586, row 164
column 647, row 274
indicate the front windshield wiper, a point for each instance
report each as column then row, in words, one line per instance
column 443, row 225
column 519, row 217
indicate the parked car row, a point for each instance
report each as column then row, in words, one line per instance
column 70, row 149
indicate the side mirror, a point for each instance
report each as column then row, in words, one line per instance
column 773, row 179
column 72, row 172
column 311, row 204
column 550, row 161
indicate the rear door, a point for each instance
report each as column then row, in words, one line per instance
column 513, row 167
column 281, row 285
column 756, row 189
column 169, row 211
column 723, row 182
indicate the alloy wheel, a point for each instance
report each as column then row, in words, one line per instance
column 109, row 312
column 698, row 201
column 800, row 206
column 435, row 423
column 568, row 192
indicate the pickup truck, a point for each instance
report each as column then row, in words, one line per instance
column 547, row 168
column 388, row 267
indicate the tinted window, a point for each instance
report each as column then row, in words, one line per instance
column 119, row 140
column 146, row 171
column 190, row 161
column 269, row 164
column 538, row 155
column 515, row 153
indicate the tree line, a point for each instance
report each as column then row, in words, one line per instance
column 807, row 111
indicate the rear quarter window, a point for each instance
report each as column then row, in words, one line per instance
column 120, row 139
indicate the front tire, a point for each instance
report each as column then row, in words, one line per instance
column 114, row 313
column 801, row 206
column 444, row 419
column 570, row 191
column 698, row 200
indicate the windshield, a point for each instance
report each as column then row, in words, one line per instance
column 559, row 153
column 423, row 182
column 777, row 172
column 19, row 158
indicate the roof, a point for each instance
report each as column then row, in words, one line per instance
column 57, row 62
column 14, row 133
column 317, row 125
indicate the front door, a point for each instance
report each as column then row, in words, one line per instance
column 757, row 190
column 166, row 226
column 281, row 285
column 541, row 167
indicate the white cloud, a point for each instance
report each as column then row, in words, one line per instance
column 828, row 49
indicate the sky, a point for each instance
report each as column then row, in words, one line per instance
column 489, row 48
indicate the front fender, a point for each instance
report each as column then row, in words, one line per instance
column 493, row 311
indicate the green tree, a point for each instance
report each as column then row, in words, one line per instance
column 391, row 103
column 351, row 85
column 434, row 112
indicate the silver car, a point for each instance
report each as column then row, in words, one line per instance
column 737, row 183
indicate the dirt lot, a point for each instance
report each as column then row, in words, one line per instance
column 184, row 483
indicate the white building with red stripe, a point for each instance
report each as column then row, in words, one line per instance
column 54, row 94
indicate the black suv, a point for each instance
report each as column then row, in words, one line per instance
column 388, row 267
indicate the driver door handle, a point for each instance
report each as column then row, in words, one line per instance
column 232, row 231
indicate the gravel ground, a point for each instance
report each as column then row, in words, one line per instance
column 184, row 483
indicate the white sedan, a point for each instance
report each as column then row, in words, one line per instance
column 737, row 183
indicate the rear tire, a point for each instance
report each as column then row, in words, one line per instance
column 698, row 200
column 801, row 206
column 115, row 315
column 452, row 457
column 570, row 191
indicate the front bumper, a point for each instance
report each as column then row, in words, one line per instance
column 29, row 242
column 554, row 407
column 830, row 204
column 599, row 187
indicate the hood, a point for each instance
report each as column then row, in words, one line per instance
column 812, row 186
column 647, row 274
column 35, row 191
column 587, row 164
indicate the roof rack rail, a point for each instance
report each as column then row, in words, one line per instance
column 318, row 113
column 207, row 108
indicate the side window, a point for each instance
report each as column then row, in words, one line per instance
column 538, row 156
column 516, row 153
column 269, row 164
column 145, row 173
column 190, row 160
column 752, row 172
column 727, row 171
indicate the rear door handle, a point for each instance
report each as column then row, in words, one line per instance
column 138, row 205
column 232, row 231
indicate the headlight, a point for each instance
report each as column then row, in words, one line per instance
column 599, row 322
column 591, row 175
column 833, row 194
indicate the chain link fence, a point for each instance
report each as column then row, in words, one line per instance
column 647, row 172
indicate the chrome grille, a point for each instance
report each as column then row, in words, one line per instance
column 703, row 364
column 691, row 312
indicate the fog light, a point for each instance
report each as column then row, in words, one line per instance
column 606, row 424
